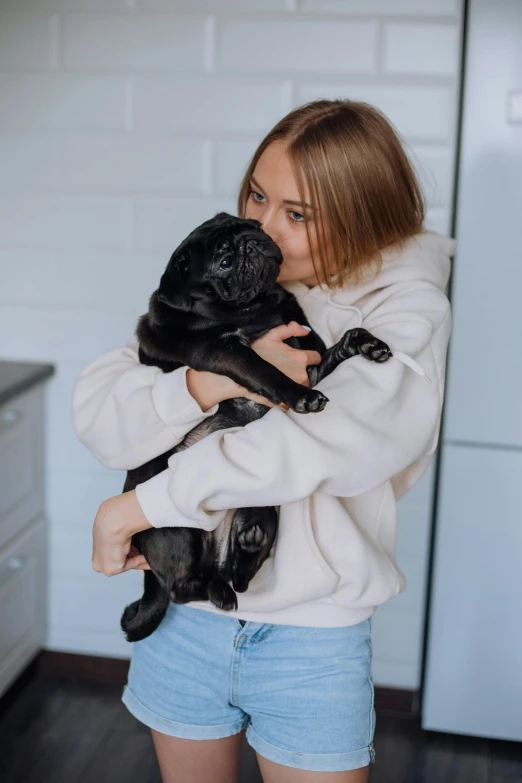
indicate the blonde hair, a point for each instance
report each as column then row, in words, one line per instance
column 363, row 189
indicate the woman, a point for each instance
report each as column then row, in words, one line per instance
column 334, row 189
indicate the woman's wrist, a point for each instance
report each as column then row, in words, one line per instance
column 209, row 388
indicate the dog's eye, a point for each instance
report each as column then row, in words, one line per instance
column 226, row 263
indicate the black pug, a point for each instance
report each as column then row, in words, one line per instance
column 217, row 295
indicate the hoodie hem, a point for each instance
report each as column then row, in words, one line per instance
column 317, row 615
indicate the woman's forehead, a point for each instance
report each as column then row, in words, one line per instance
column 273, row 172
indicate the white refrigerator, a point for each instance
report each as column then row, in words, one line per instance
column 473, row 668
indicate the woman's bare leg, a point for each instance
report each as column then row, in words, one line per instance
column 277, row 773
column 192, row 761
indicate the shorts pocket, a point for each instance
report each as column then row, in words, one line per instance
column 296, row 571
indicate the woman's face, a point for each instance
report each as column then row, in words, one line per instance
column 274, row 201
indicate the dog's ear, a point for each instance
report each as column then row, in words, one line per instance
column 172, row 284
column 171, row 289
column 222, row 216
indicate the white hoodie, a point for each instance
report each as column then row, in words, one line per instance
column 336, row 475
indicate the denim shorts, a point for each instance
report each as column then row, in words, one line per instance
column 304, row 695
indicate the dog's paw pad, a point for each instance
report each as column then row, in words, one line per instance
column 313, row 402
column 252, row 539
column 375, row 351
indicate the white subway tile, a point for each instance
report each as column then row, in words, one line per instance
column 421, row 49
column 206, row 104
column 425, row 113
column 434, row 167
column 388, row 7
column 63, row 102
column 128, row 280
column 215, row 7
column 64, row 221
column 396, row 633
column 71, row 280
column 116, row 42
column 297, row 46
column 51, row 334
column 88, row 603
column 232, row 158
column 29, row 277
column 26, row 161
column 26, row 42
column 161, row 224
column 137, row 162
column 64, row 493
column 72, row 5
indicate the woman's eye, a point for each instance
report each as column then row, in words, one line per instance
column 298, row 219
column 254, row 193
column 226, row 263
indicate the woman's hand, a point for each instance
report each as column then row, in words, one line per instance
column 292, row 361
column 209, row 388
column 118, row 518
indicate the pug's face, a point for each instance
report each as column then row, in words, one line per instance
column 226, row 263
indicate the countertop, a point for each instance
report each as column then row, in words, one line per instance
column 18, row 377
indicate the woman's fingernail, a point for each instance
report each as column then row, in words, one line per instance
column 306, row 327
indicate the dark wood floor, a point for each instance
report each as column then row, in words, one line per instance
column 56, row 730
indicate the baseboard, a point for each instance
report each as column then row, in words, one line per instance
column 83, row 667
column 388, row 701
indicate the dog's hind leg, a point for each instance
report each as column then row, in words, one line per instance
column 254, row 531
column 142, row 617
column 211, row 588
column 221, row 594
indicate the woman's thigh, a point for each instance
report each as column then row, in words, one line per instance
column 188, row 761
column 276, row 773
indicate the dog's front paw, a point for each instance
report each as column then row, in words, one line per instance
column 363, row 342
column 307, row 401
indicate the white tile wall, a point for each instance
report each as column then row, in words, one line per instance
column 421, row 48
column 118, row 43
column 285, row 45
column 125, row 123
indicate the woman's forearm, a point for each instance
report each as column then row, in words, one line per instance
column 209, row 389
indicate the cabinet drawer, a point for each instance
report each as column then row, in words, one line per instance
column 21, row 492
column 22, row 600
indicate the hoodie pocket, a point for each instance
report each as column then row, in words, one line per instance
column 296, row 571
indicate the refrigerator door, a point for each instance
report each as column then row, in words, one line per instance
column 474, row 664
column 473, row 673
column 484, row 399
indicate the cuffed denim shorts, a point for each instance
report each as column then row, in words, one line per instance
column 304, row 695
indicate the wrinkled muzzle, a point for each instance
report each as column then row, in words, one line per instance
column 255, row 267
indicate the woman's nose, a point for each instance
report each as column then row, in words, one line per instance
column 269, row 228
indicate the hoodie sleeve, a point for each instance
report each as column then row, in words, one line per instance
column 127, row 413
column 380, row 419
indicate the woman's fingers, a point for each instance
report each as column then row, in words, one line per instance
column 292, row 329
column 314, row 357
column 135, row 562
